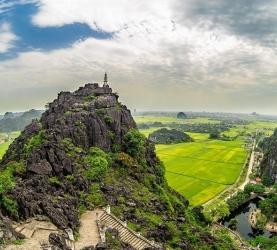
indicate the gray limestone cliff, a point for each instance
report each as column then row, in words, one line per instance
column 269, row 162
column 48, row 152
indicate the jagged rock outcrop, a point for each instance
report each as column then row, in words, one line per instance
column 7, row 232
column 58, row 241
column 84, row 153
column 269, row 162
column 91, row 116
column 169, row 136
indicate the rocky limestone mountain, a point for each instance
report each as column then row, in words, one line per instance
column 91, row 116
column 169, row 136
column 269, row 162
column 181, row 115
column 85, row 153
column 18, row 121
column 7, row 232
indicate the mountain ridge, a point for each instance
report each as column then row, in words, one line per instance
column 17, row 121
column 86, row 152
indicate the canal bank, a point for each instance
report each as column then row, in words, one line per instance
column 244, row 228
column 252, row 220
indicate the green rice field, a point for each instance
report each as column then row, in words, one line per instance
column 202, row 169
column 3, row 147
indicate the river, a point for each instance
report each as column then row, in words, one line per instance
column 243, row 227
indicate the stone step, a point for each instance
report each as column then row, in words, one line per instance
column 125, row 234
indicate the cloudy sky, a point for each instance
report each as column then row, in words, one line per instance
column 182, row 55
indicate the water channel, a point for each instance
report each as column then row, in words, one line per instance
column 243, row 227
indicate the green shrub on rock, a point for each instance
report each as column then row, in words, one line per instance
column 97, row 162
column 133, row 142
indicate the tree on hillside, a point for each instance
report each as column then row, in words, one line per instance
column 255, row 188
column 267, row 181
column 133, row 142
column 215, row 135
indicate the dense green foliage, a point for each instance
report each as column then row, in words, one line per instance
column 242, row 196
column 97, row 162
column 265, row 243
column 268, row 206
column 267, row 181
column 7, row 182
column 133, row 142
column 235, row 201
column 215, row 212
column 255, row 188
column 215, row 135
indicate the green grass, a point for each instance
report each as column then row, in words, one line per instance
column 200, row 170
column 3, row 147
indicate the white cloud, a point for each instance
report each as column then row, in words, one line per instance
column 7, row 38
column 153, row 60
column 105, row 15
column 5, row 5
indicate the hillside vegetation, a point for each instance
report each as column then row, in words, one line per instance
column 85, row 153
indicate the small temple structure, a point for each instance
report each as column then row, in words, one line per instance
column 106, row 85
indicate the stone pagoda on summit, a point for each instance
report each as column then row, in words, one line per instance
column 106, row 85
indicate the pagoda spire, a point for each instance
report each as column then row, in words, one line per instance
column 105, row 80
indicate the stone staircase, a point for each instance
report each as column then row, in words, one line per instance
column 126, row 234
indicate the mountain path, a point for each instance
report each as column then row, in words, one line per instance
column 89, row 234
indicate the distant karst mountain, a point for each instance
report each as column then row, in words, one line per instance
column 85, row 153
column 18, row 121
column 169, row 136
column 181, row 115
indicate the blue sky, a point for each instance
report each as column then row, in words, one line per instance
column 160, row 55
column 31, row 37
